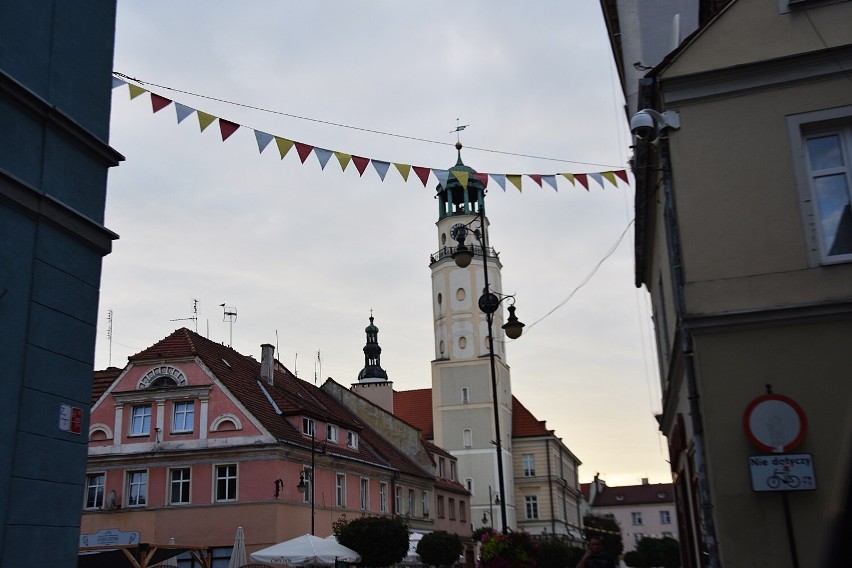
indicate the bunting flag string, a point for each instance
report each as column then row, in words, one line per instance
column 227, row 128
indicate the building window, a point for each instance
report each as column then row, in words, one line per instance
column 383, row 497
column 529, row 465
column 531, row 502
column 465, row 395
column 95, row 490
column 308, row 426
column 441, row 463
column 365, row 498
column 425, row 503
column 462, row 512
column 637, row 519
column 451, row 506
column 410, row 512
column 331, row 433
column 226, row 482
column 665, row 518
column 467, row 438
column 452, row 470
column 137, row 488
column 468, row 483
column 637, row 538
column 352, row 440
column 340, row 490
column 397, row 500
column 440, row 506
column 140, row 420
column 179, row 486
column 307, row 478
column 183, row 417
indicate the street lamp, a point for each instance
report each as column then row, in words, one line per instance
column 488, row 303
column 307, row 477
column 492, row 498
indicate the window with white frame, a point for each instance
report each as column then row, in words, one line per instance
column 340, row 490
column 665, row 518
column 636, row 518
column 637, row 538
column 410, row 511
column 531, row 503
column 441, row 464
column 383, row 497
column 468, row 483
column 140, row 420
column 452, row 470
column 352, row 439
column 365, row 497
column 467, row 438
column 226, row 482
column 307, row 479
column 95, row 483
column 137, row 488
column 529, row 465
column 183, row 417
column 308, row 426
column 465, row 395
column 397, row 500
column 331, row 433
column 822, row 152
column 179, row 479
column 425, row 503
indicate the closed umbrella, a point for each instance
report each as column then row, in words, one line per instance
column 238, row 554
column 170, row 562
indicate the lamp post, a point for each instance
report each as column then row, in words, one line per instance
column 307, row 477
column 488, row 304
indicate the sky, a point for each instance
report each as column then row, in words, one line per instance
column 306, row 254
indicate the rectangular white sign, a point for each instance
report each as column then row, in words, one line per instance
column 782, row 472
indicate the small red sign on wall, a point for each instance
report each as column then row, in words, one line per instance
column 70, row 418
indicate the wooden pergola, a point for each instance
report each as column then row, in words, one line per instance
column 140, row 555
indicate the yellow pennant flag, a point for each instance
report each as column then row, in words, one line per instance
column 135, row 91
column 284, row 145
column 515, row 179
column 404, row 170
column 204, row 119
column 462, row 177
column 569, row 177
column 610, row 177
column 344, row 159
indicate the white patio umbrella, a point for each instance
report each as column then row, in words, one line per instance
column 238, row 554
column 306, row 550
column 170, row 562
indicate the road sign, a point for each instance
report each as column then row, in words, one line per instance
column 775, row 423
column 782, row 472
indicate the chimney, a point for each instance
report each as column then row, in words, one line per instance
column 267, row 362
column 645, row 481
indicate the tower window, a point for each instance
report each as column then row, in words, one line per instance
column 465, row 395
column 460, row 294
column 462, row 342
column 467, row 437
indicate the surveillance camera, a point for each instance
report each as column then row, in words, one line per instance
column 642, row 126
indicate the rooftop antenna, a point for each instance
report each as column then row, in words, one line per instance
column 109, row 336
column 296, row 365
column 230, row 316
column 193, row 317
column 317, row 364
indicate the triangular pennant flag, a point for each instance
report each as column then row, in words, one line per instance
column 569, row 177
column 135, row 90
column 323, row 156
column 598, row 178
column 344, row 159
column 610, row 177
column 304, row 150
column 284, row 145
column 483, row 178
column 551, row 181
column 116, row 82
column 442, row 176
column 360, row 163
column 204, row 119
column 381, row 168
column 515, row 179
column 263, row 140
column 462, row 177
column 536, row 178
column 583, row 179
column 622, row 175
column 158, row 103
column 422, row 173
column 226, row 127
column 182, row 112
column 403, row 169
column 500, row 179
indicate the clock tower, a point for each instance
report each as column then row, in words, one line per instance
column 462, row 400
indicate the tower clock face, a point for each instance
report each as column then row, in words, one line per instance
column 458, row 232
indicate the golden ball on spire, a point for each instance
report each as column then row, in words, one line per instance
column 458, row 145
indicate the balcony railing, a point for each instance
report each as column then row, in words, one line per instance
column 448, row 252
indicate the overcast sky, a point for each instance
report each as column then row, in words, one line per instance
column 304, row 254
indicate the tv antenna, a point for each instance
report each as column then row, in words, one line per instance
column 109, row 336
column 230, row 316
column 193, row 317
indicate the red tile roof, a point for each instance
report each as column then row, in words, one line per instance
column 102, row 381
column 634, row 495
column 524, row 424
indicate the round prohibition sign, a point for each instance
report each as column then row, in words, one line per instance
column 775, row 423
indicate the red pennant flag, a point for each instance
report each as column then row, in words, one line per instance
column 360, row 163
column 227, row 128
column 583, row 179
column 422, row 173
column 622, row 175
column 483, row 178
column 536, row 178
column 159, row 103
column 304, row 150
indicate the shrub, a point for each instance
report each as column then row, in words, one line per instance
column 439, row 548
column 380, row 541
column 509, row 550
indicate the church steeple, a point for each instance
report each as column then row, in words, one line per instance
column 372, row 370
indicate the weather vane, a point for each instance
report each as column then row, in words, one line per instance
column 459, row 128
